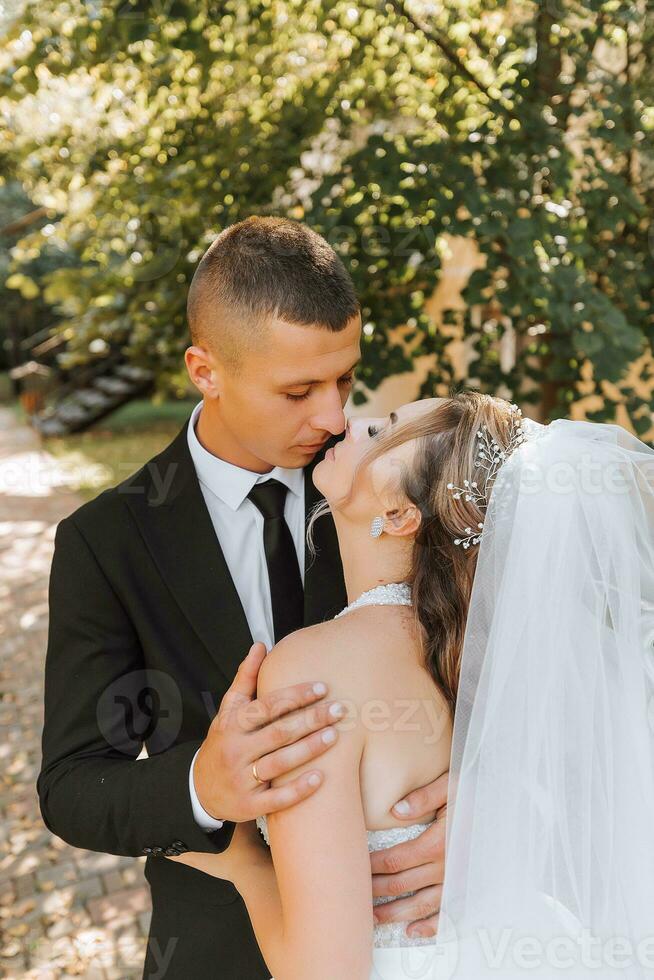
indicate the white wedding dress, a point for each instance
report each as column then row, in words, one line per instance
column 395, row 956
column 550, row 810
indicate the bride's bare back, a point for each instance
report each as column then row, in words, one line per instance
column 371, row 660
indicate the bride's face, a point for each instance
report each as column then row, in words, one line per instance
column 373, row 491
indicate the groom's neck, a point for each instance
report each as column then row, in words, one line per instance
column 219, row 441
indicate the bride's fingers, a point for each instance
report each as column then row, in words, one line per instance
column 423, row 904
column 406, row 881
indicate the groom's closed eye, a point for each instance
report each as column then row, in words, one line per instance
column 347, row 379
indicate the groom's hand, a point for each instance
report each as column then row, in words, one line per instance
column 416, row 865
column 278, row 732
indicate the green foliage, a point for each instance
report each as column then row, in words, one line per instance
column 145, row 128
column 23, row 311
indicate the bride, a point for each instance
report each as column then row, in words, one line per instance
column 500, row 624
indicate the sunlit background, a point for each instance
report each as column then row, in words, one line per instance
column 484, row 169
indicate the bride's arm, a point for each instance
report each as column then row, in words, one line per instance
column 312, row 914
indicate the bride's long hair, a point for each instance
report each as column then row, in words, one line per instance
column 441, row 572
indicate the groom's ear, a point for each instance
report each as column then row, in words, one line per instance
column 202, row 370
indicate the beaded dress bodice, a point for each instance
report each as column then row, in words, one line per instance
column 392, row 933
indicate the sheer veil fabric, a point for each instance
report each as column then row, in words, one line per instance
column 550, row 820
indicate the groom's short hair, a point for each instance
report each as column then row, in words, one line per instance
column 264, row 267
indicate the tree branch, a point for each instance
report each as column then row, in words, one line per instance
column 449, row 53
column 27, row 219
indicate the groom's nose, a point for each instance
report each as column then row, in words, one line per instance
column 330, row 416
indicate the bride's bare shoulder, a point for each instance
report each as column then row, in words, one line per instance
column 335, row 650
column 300, row 656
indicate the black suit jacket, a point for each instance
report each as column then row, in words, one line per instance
column 146, row 633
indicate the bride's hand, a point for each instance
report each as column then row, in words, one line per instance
column 246, row 849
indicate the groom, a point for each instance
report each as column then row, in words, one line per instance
column 160, row 585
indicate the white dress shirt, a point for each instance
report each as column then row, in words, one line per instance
column 238, row 524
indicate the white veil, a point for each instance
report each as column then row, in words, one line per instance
column 550, row 821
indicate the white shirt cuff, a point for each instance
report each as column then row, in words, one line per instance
column 205, row 820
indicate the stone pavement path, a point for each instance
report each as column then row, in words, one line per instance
column 64, row 912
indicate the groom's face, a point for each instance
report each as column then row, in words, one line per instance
column 288, row 397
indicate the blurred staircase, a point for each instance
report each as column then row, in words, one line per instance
column 82, row 403
column 79, row 398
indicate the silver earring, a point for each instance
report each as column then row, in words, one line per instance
column 376, row 527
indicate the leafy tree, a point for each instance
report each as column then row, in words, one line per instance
column 23, row 312
column 145, row 128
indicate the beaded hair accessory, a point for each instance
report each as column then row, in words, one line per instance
column 490, row 456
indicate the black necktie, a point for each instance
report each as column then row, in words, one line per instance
column 286, row 589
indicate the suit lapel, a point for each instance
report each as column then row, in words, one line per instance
column 169, row 507
column 179, row 534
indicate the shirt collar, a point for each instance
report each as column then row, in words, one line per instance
column 229, row 482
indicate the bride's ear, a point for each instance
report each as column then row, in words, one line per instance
column 404, row 522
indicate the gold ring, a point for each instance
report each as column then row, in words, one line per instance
column 255, row 774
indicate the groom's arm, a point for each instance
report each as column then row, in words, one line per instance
column 93, row 791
